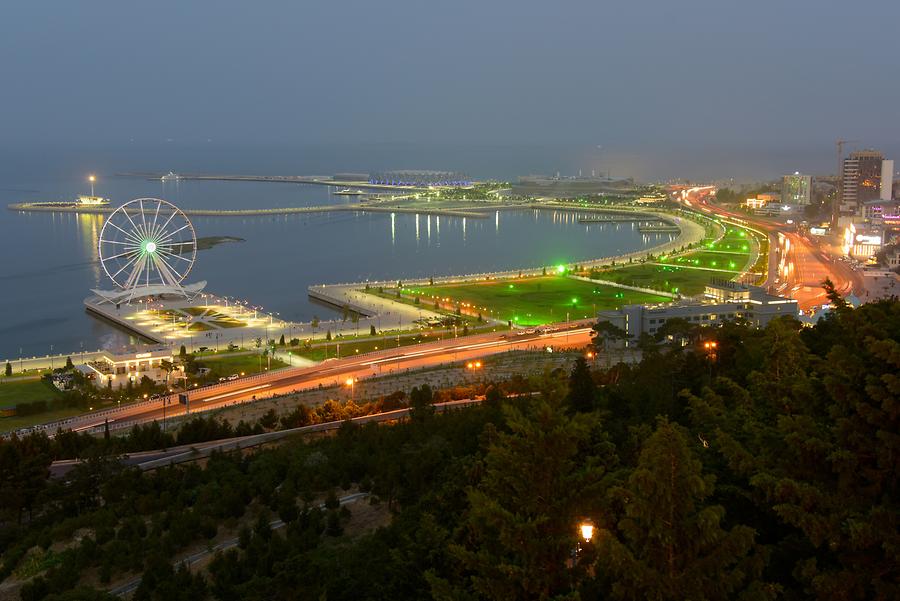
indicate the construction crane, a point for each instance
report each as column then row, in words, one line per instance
column 840, row 152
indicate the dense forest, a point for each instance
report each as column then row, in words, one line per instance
column 763, row 467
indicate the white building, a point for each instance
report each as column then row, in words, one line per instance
column 727, row 301
column 795, row 189
column 115, row 370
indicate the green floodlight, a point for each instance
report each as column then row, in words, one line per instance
column 148, row 246
column 574, row 301
column 511, row 286
column 560, row 269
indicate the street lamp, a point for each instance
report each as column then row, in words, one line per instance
column 587, row 530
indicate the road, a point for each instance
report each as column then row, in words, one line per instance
column 334, row 372
column 797, row 264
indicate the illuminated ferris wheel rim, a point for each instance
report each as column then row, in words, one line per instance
column 147, row 243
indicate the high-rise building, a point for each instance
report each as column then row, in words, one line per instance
column 795, row 189
column 861, row 179
column 887, row 179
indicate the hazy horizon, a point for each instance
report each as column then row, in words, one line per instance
column 649, row 90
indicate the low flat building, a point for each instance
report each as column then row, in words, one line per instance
column 721, row 302
column 115, row 370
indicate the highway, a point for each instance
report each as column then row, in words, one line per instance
column 334, row 372
column 797, row 264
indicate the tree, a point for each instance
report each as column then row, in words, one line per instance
column 8, row 369
column 668, row 543
column 182, row 351
column 680, row 330
column 281, row 340
column 420, row 403
column 834, row 297
column 581, row 387
column 69, row 364
column 269, row 420
column 520, row 526
column 606, row 332
column 314, row 324
column 328, row 335
column 544, row 271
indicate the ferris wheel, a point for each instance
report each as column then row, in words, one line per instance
column 147, row 246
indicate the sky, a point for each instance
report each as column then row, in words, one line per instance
column 682, row 84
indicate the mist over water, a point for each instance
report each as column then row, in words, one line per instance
column 654, row 163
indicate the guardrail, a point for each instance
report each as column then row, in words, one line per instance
column 625, row 286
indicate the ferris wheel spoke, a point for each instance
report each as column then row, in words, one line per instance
column 124, row 254
column 167, row 237
column 123, row 268
column 140, row 232
column 129, row 243
column 131, row 282
column 144, row 219
column 166, row 271
column 163, row 227
column 128, row 235
column 155, row 217
column 171, row 254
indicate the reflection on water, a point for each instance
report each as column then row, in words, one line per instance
column 50, row 260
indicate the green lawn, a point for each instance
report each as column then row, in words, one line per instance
column 682, row 273
column 27, row 391
column 30, row 391
column 712, row 260
column 671, row 278
column 8, row 424
column 534, row 300
column 225, row 365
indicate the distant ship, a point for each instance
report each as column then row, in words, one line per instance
column 171, row 176
column 348, row 192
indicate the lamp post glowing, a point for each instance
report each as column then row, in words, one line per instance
column 92, row 179
column 587, row 530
